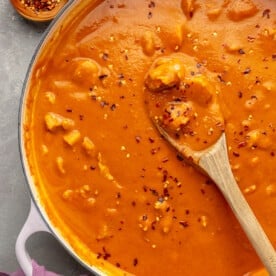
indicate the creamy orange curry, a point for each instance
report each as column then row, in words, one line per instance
column 115, row 189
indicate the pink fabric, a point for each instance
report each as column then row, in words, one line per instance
column 37, row 271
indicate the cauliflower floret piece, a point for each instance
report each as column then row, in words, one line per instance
column 72, row 137
column 165, row 73
column 241, row 9
column 87, row 71
column 88, row 145
column 51, row 97
column 104, row 169
column 148, row 43
column 54, row 120
column 60, row 164
column 177, row 115
column 258, row 138
column 199, row 90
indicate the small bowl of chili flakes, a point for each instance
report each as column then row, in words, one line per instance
column 38, row 10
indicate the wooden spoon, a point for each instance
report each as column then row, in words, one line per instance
column 214, row 162
column 34, row 15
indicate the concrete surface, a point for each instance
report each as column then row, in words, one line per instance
column 18, row 40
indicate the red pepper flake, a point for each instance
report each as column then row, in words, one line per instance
column 113, row 107
column 103, row 76
column 236, row 154
column 154, row 192
column 166, row 192
column 179, row 157
column 121, row 5
column 220, row 78
column 208, row 182
column 92, row 168
column 118, row 264
column 247, row 71
column 103, row 103
column 184, row 223
column 242, row 144
column 250, row 38
column 165, row 176
column 246, row 128
column 151, row 4
column 150, row 15
column 273, row 56
column 105, row 56
column 138, row 139
column 266, row 13
column 121, row 76
column 40, row 5
column 241, row 51
column 135, row 262
column 157, row 105
column 106, row 255
column 153, row 225
column 240, row 94
column 272, row 153
column 151, row 140
column 154, row 150
column 165, row 160
column 99, row 255
column 257, row 81
column 198, row 65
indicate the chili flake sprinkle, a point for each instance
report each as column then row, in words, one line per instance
column 40, row 5
column 135, row 261
column 247, row 71
column 184, row 223
column 266, row 13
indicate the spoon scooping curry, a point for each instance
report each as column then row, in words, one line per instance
column 183, row 105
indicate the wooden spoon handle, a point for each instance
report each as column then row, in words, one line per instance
column 216, row 165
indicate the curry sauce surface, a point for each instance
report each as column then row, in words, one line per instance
column 103, row 171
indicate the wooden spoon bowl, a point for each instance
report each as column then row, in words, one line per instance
column 37, row 15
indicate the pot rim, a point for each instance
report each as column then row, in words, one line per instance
column 51, row 29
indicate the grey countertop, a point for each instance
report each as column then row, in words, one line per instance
column 18, row 40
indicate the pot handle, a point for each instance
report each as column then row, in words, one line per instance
column 33, row 224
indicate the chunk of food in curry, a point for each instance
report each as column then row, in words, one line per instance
column 185, row 105
column 119, row 193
